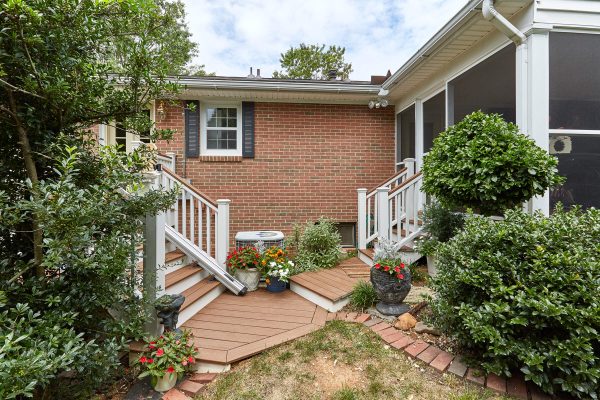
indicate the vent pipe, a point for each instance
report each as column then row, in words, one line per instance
column 251, row 75
column 501, row 23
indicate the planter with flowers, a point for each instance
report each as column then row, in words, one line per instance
column 167, row 358
column 243, row 263
column 276, row 268
column 391, row 278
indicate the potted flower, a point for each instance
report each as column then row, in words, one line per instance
column 167, row 358
column 276, row 268
column 391, row 278
column 243, row 262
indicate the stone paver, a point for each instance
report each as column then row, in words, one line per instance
column 380, row 326
column 386, row 331
column 331, row 316
column 340, row 316
column 457, row 367
column 175, row 394
column 516, row 386
column 496, row 383
column 204, row 377
column 475, row 376
column 351, row 317
column 190, row 388
column 402, row 342
column 442, row 361
column 371, row 322
column 393, row 337
column 429, row 354
column 362, row 318
column 416, row 348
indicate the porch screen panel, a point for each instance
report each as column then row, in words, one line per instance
column 489, row 86
column 407, row 133
column 434, row 119
column 574, row 81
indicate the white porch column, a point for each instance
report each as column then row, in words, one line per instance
column 383, row 212
column 154, row 258
column 538, row 99
column 418, row 134
column 222, row 232
column 361, row 222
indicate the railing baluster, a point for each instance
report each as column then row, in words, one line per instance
column 183, row 212
column 200, row 211
column 369, row 217
column 192, row 230
column 177, row 213
column 208, row 230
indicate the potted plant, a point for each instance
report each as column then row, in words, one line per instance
column 243, row 262
column 167, row 358
column 440, row 224
column 276, row 268
column 391, row 278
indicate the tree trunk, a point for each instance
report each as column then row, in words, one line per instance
column 33, row 177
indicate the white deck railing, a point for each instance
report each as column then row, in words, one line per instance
column 392, row 209
column 168, row 160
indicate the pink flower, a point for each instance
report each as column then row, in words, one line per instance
column 184, row 363
column 159, row 352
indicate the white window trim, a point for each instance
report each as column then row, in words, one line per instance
column 204, row 151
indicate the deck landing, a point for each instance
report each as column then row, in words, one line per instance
column 232, row 327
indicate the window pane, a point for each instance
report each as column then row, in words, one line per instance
column 211, row 119
column 574, row 81
column 490, row 86
column 434, row 119
column 221, row 117
column 578, row 161
column 218, row 139
column 407, row 133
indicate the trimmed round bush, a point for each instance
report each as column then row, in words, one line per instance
column 484, row 163
column 524, row 294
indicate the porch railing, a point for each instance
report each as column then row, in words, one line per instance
column 392, row 209
column 167, row 159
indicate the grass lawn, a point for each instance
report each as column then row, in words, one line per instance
column 342, row 361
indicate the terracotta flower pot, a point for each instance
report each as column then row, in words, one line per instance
column 391, row 291
column 166, row 383
column 249, row 277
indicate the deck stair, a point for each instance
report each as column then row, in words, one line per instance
column 331, row 288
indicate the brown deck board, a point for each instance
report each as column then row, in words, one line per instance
column 262, row 309
column 180, row 274
column 316, row 288
column 216, row 344
column 256, row 315
column 226, row 336
column 325, row 280
column 198, row 290
column 246, row 321
column 217, row 326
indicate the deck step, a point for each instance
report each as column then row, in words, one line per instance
column 174, row 255
column 182, row 273
column 198, row 290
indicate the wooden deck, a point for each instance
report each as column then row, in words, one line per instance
column 336, row 283
column 232, row 327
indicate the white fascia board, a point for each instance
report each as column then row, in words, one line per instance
column 430, row 46
column 291, row 86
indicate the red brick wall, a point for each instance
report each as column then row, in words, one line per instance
column 309, row 161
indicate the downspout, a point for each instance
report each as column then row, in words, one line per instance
column 502, row 24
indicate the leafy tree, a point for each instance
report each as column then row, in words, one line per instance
column 313, row 62
column 67, row 234
column 196, row 70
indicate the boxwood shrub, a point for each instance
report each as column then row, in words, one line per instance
column 524, row 294
column 484, row 163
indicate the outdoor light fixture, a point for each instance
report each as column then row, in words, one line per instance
column 379, row 103
column 161, row 111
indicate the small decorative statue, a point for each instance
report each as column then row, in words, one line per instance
column 391, row 278
column 167, row 309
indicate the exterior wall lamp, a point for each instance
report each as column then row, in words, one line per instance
column 379, row 103
column 160, row 111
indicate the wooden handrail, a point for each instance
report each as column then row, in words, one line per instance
column 190, row 187
column 405, row 183
column 393, row 178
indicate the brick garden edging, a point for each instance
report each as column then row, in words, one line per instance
column 441, row 360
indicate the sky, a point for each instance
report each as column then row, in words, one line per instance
column 234, row 35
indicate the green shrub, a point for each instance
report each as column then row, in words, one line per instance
column 484, row 163
column 363, row 296
column 318, row 246
column 440, row 224
column 523, row 293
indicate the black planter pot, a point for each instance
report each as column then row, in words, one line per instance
column 167, row 310
column 391, row 291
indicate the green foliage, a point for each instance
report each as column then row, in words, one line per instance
column 523, row 293
column 484, row 163
column 318, row 246
column 363, row 296
column 313, row 62
column 171, row 352
column 439, row 225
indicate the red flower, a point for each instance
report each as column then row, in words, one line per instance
column 159, row 352
column 151, row 345
column 171, row 369
column 386, row 268
column 402, row 265
column 377, row 266
column 397, row 269
column 191, row 360
column 150, row 360
column 143, row 359
column 400, row 276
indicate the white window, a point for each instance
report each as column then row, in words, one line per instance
column 221, row 130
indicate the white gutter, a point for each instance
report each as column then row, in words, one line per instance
column 492, row 15
column 265, row 84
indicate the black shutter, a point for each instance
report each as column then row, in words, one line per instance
column 192, row 128
column 248, row 129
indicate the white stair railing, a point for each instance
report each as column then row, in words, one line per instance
column 372, row 215
column 168, row 160
column 404, row 207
